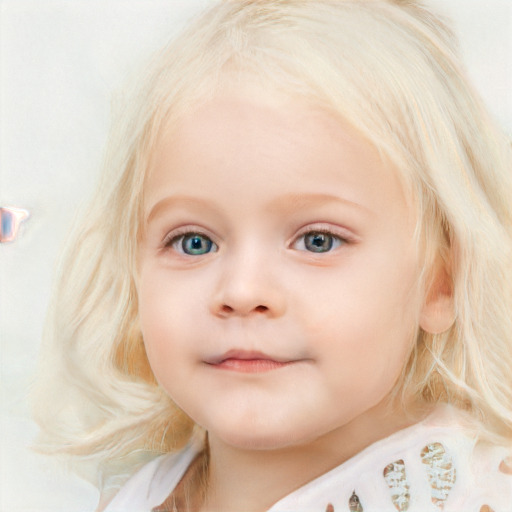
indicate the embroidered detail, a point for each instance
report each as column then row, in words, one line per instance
column 329, row 508
column 394, row 474
column 440, row 471
column 354, row 503
column 506, row 466
column 486, row 508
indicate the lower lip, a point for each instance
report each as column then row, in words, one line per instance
column 250, row 365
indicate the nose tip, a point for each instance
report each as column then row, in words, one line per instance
column 248, row 298
column 246, row 285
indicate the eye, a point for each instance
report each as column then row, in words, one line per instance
column 192, row 244
column 318, row 242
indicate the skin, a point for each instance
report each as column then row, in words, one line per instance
column 285, row 355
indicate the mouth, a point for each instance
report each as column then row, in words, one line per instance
column 248, row 362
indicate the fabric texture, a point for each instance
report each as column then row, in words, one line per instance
column 433, row 465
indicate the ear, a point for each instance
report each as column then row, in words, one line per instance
column 438, row 311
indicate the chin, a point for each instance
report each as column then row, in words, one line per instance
column 258, row 442
column 263, row 438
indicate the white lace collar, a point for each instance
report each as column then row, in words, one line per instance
column 433, row 465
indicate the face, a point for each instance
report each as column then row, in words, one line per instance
column 277, row 275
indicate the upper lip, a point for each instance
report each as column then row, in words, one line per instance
column 245, row 355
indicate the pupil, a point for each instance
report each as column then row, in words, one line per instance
column 196, row 244
column 319, row 242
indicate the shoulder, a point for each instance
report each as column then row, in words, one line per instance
column 489, row 479
column 450, row 467
column 149, row 486
column 437, row 464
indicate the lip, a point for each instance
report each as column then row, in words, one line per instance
column 248, row 361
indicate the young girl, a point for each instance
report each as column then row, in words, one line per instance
column 295, row 279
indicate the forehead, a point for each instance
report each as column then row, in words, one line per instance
column 261, row 144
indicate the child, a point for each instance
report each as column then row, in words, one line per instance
column 295, row 279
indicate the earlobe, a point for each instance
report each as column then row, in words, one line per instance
column 438, row 311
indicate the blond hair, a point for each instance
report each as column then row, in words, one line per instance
column 389, row 68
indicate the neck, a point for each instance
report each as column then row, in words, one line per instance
column 253, row 480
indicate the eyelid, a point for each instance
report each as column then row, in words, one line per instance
column 321, row 227
column 181, row 231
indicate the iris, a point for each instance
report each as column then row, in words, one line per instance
column 318, row 242
column 195, row 244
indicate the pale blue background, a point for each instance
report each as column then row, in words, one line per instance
column 60, row 60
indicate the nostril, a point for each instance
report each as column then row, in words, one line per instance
column 261, row 309
column 226, row 309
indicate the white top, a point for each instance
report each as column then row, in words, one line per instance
column 431, row 466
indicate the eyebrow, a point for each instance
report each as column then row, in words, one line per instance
column 176, row 201
column 284, row 204
column 294, row 202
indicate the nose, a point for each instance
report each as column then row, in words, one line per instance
column 247, row 286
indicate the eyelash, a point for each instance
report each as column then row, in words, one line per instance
column 175, row 240
column 336, row 237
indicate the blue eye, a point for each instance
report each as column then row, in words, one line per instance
column 193, row 244
column 319, row 242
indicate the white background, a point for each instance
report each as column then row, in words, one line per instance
column 60, row 60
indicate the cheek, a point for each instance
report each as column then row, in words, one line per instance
column 159, row 321
column 364, row 332
column 170, row 317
